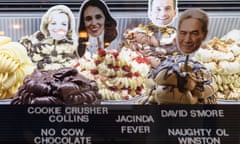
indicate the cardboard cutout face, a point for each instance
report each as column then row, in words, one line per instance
column 162, row 12
column 192, row 30
column 58, row 26
column 94, row 21
column 59, row 23
column 97, row 28
column 190, row 35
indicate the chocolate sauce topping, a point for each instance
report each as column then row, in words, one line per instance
column 187, row 75
column 175, row 64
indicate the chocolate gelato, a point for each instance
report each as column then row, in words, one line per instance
column 63, row 86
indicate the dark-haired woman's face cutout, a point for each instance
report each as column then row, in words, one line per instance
column 94, row 21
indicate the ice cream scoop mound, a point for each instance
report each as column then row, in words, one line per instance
column 177, row 81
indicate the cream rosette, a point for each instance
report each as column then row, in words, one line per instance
column 222, row 58
column 110, row 95
column 85, row 65
column 209, row 55
column 14, row 66
column 142, row 68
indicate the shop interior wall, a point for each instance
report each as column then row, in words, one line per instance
column 16, row 25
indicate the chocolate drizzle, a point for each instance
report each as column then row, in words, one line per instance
column 191, row 77
column 48, row 53
column 174, row 64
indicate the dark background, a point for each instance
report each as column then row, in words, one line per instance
column 17, row 126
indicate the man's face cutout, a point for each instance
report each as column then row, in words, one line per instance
column 162, row 12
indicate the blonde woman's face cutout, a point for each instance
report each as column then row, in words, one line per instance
column 94, row 21
column 58, row 26
column 162, row 12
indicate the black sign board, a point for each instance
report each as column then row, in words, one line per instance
column 128, row 124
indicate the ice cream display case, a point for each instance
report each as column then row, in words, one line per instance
column 126, row 75
column 22, row 19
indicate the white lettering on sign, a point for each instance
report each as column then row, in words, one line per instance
column 207, row 113
column 198, row 135
column 135, row 129
column 48, row 132
column 199, row 140
column 189, row 132
column 135, row 119
column 72, row 132
column 68, row 136
column 63, row 140
column 68, row 118
column 87, row 110
column 174, row 113
column 44, row 110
